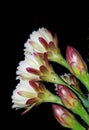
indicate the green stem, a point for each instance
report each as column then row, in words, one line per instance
column 52, row 78
column 54, row 99
column 78, row 126
column 58, row 58
column 81, row 112
column 50, row 97
column 84, row 78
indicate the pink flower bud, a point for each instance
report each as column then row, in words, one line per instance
column 63, row 116
column 75, row 61
column 69, row 99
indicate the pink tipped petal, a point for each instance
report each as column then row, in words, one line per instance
column 46, row 59
column 33, row 71
column 34, row 85
column 44, row 43
column 31, row 101
column 51, row 45
column 55, row 40
column 63, row 91
column 43, row 69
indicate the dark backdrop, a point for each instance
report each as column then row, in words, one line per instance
column 17, row 24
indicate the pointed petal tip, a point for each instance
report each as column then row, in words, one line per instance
column 69, row 47
column 54, row 106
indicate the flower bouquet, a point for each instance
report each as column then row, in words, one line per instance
column 40, row 51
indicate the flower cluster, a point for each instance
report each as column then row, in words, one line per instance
column 41, row 49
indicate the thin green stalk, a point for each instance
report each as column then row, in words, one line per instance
column 84, row 78
column 80, row 110
column 78, row 126
column 52, row 99
column 58, row 58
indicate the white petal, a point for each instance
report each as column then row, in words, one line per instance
column 24, row 85
column 28, row 47
column 46, row 35
column 18, row 106
column 35, row 36
column 19, row 101
column 21, row 70
column 32, row 61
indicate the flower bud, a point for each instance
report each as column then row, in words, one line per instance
column 71, row 102
column 72, row 81
column 76, row 63
column 69, row 99
column 65, row 118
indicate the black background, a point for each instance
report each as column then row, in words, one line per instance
column 17, row 23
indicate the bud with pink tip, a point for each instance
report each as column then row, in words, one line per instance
column 65, row 118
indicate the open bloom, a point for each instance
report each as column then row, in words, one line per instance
column 42, row 41
column 36, row 67
column 29, row 94
column 26, row 95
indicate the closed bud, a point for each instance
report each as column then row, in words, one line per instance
column 76, row 63
column 65, row 118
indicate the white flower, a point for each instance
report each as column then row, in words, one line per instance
column 22, row 72
column 39, row 41
column 42, row 41
column 31, row 63
column 23, row 92
column 29, row 94
column 35, row 67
